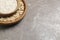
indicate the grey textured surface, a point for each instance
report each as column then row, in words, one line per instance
column 42, row 22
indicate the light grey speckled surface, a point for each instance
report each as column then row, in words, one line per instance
column 42, row 22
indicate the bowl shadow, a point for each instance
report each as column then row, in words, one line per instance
column 4, row 27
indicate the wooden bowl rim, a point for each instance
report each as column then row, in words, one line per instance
column 24, row 13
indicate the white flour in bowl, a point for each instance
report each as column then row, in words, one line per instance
column 7, row 6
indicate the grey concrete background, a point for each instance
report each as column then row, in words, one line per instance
column 42, row 22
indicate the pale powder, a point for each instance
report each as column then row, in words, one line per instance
column 7, row 6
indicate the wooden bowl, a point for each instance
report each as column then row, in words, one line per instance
column 16, row 16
